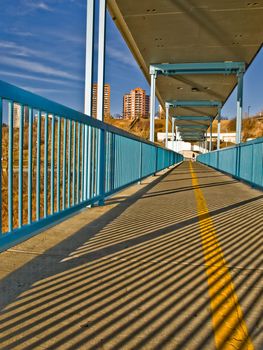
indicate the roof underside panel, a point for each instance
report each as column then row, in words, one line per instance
column 187, row 31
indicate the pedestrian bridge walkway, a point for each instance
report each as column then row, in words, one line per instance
column 173, row 263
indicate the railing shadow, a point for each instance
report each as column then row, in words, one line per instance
column 137, row 280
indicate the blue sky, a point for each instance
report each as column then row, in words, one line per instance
column 42, row 48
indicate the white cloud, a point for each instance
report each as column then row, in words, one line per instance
column 37, row 68
column 38, row 78
column 37, row 5
column 41, row 90
column 15, row 49
column 121, row 56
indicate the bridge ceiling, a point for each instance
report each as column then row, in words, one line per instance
column 186, row 31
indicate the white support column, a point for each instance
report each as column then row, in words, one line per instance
column 101, row 60
column 167, row 106
column 239, row 107
column 218, row 127
column 88, row 91
column 172, row 133
column 177, row 138
column 152, row 103
column 89, row 57
column 210, row 143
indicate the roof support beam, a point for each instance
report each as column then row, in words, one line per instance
column 192, row 118
column 192, row 127
column 225, row 68
column 195, row 103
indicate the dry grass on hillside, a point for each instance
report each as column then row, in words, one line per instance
column 252, row 127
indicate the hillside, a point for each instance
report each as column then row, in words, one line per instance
column 252, row 127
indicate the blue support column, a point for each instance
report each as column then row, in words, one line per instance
column 152, row 104
column 218, row 128
column 239, row 107
column 177, row 137
column 173, row 134
column 210, row 143
column 167, row 106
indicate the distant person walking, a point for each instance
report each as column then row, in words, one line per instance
column 193, row 156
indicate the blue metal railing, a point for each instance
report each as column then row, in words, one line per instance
column 243, row 161
column 55, row 160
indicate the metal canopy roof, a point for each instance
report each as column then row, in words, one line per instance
column 190, row 31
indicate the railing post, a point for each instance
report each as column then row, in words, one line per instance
column 238, row 160
column 101, row 177
column 46, row 165
column 20, row 181
column 140, row 164
column 156, row 160
column 10, row 166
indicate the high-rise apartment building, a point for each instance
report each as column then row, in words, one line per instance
column 127, row 106
column 135, row 104
column 106, row 100
column 17, row 109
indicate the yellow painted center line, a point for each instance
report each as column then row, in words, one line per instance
column 227, row 317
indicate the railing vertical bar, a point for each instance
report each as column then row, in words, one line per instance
column 69, row 161
column 1, row 138
column 78, row 162
column 30, row 165
column 64, row 164
column 10, row 166
column 46, row 167
column 20, row 177
column 98, row 146
column 113, row 162
column 74, row 163
column 82, row 160
column 58, row 162
column 101, row 165
column 89, row 161
column 52, row 165
column 92, row 162
column 38, row 165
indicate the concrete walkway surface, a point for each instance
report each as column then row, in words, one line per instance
column 174, row 263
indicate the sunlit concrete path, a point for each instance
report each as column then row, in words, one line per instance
column 173, row 263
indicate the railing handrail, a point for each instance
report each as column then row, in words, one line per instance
column 26, row 98
column 67, row 168
column 242, row 144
